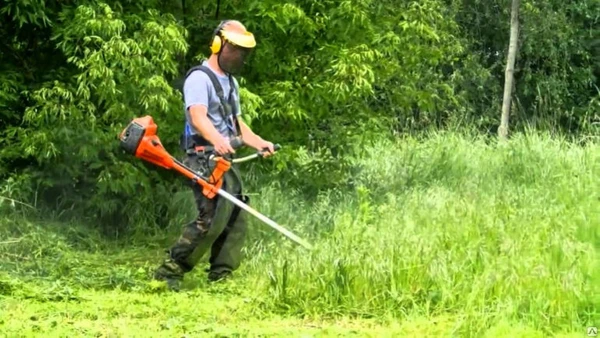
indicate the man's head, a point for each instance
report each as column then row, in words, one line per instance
column 231, row 45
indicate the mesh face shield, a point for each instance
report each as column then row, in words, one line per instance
column 235, row 50
column 232, row 58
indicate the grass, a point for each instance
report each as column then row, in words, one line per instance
column 443, row 236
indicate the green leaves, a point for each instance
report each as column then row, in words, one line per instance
column 326, row 77
column 115, row 66
column 23, row 12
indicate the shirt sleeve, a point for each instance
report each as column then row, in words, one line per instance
column 196, row 90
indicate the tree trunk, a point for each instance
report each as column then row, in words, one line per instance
column 510, row 65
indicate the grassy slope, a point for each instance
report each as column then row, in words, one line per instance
column 464, row 238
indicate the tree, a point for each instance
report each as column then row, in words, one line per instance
column 510, row 65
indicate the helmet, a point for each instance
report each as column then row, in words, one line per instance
column 240, row 39
column 232, row 47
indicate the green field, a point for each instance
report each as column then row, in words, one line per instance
column 445, row 236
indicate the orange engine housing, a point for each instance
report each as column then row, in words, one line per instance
column 139, row 139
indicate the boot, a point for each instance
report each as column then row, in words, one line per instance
column 171, row 273
column 217, row 276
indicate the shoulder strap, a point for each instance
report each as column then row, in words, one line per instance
column 212, row 77
column 234, row 86
column 219, row 90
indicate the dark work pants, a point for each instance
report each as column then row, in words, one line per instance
column 219, row 227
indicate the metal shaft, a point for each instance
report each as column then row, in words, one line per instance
column 265, row 219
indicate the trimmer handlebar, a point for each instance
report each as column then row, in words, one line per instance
column 261, row 153
column 237, row 143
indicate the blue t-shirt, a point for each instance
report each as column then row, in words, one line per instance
column 198, row 89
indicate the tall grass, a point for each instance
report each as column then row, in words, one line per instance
column 446, row 225
column 472, row 233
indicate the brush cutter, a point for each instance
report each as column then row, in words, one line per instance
column 140, row 139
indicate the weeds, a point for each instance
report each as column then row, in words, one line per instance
column 479, row 238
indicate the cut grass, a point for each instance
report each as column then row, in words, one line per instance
column 446, row 236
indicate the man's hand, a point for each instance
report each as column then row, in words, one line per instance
column 265, row 146
column 223, row 146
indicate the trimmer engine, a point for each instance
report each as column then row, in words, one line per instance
column 133, row 134
column 139, row 139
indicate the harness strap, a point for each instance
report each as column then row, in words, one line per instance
column 227, row 108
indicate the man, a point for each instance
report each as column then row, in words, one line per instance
column 219, row 225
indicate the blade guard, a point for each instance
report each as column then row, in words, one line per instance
column 139, row 139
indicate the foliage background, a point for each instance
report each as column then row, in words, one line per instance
column 327, row 76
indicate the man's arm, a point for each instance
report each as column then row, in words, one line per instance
column 199, row 120
column 248, row 136
column 253, row 140
column 195, row 92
